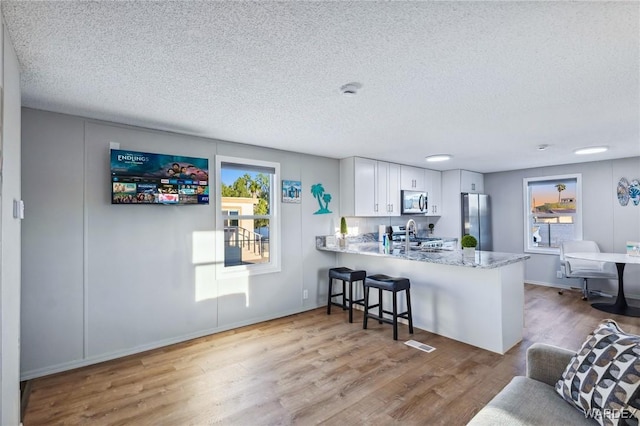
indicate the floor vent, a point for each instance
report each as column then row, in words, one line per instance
column 421, row 346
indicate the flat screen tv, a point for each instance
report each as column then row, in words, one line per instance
column 146, row 178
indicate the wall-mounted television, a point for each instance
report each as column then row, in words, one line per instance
column 147, row 178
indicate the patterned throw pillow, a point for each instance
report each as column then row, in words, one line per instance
column 603, row 378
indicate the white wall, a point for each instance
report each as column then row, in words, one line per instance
column 10, row 232
column 604, row 219
column 101, row 281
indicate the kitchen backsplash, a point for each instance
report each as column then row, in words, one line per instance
column 364, row 225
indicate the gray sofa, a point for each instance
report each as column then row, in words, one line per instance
column 533, row 400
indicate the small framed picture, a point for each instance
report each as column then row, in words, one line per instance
column 291, row 191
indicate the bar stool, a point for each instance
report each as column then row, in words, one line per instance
column 345, row 275
column 394, row 285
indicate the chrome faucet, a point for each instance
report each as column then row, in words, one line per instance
column 406, row 237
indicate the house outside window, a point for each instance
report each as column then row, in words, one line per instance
column 553, row 212
column 230, row 222
column 248, row 222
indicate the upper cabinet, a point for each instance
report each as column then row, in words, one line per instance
column 369, row 187
column 412, row 178
column 429, row 181
column 393, row 188
column 433, row 187
column 372, row 188
column 471, row 182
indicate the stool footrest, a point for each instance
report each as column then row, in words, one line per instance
column 344, row 307
column 381, row 319
column 404, row 315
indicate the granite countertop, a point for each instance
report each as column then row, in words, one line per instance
column 483, row 259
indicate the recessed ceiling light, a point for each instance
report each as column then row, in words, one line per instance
column 350, row 89
column 439, row 157
column 543, row 147
column 591, row 150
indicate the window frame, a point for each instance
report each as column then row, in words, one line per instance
column 577, row 235
column 275, row 237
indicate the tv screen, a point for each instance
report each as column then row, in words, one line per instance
column 146, row 178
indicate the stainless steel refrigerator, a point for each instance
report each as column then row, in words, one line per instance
column 476, row 219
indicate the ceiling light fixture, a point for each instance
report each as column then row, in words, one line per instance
column 591, row 150
column 439, row 157
column 350, row 89
column 543, row 147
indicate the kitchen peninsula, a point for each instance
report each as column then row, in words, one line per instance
column 477, row 301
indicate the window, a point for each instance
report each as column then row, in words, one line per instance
column 230, row 222
column 553, row 212
column 248, row 218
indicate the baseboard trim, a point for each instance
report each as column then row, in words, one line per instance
column 546, row 284
column 59, row 368
column 627, row 295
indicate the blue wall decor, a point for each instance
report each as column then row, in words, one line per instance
column 634, row 191
column 291, row 191
column 623, row 192
column 317, row 191
column 628, row 191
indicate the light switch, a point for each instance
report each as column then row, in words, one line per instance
column 18, row 209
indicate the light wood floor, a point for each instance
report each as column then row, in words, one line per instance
column 306, row 369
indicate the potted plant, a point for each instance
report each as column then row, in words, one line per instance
column 469, row 243
column 343, row 231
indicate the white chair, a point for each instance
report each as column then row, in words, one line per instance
column 577, row 268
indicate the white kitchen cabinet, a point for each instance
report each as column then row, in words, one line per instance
column 412, row 178
column 365, row 188
column 433, row 184
column 471, row 182
column 393, row 190
column 369, row 187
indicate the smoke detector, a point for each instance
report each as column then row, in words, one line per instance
column 350, row 89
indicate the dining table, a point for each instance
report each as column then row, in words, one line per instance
column 620, row 306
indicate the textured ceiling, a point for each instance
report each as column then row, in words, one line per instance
column 484, row 81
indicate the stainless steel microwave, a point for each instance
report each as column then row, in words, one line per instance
column 414, row 202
